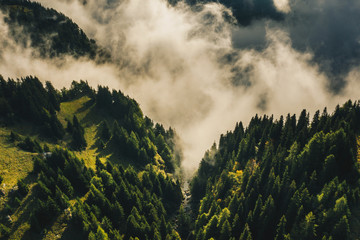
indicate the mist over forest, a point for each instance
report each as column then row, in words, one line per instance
column 236, row 64
column 210, row 93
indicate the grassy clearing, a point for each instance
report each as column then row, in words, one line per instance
column 90, row 118
column 84, row 112
column 78, row 107
column 14, row 163
column 91, row 152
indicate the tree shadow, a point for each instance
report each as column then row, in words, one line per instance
column 72, row 232
column 85, row 106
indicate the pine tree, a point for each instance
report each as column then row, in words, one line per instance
column 53, row 96
column 225, row 231
column 281, row 229
column 211, row 229
column 341, row 229
column 22, row 187
column 236, row 226
column 246, row 234
column 105, row 131
column 184, row 223
column 79, row 141
column 101, row 234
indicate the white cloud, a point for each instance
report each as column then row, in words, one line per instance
column 282, row 5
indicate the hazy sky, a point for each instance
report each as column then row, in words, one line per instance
column 199, row 73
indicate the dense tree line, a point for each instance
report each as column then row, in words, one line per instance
column 49, row 31
column 77, row 90
column 77, row 132
column 289, row 178
column 134, row 135
column 128, row 205
column 61, row 176
column 112, row 201
column 27, row 99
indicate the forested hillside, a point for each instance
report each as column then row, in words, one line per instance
column 51, row 33
column 96, row 167
column 291, row 178
column 92, row 166
column 86, row 163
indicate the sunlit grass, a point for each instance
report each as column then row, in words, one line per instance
column 68, row 109
column 83, row 111
column 14, row 162
column 91, row 152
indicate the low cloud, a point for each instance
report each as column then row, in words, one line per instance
column 282, row 5
column 183, row 67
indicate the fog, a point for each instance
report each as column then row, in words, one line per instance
column 282, row 5
column 192, row 70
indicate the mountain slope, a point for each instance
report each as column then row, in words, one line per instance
column 51, row 33
column 90, row 164
column 282, row 179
